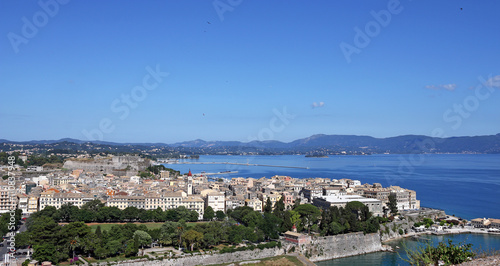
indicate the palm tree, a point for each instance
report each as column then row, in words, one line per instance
column 73, row 244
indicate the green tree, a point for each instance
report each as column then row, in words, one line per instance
column 168, row 232
column 131, row 248
column 294, row 217
column 90, row 243
column 158, row 215
column 68, row 213
column 74, row 244
column 98, row 232
column 143, row 238
column 268, row 208
column 101, row 252
column 235, row 234
column 393, row 204
column 287, row 222
column 22, row 239
column 220, row 215
column 45, row 252
column 192, row 238
column 309, row 214
column 209, row 240
column 209, row 214
column 279, row 208
column 270, row 225
column 83, row 215
column 296, row 203
column 335, row 228
column 252, row 219
column 114, row 247
column 154, row 233
column 130, row 214
column 180, row 230
column 450, row 254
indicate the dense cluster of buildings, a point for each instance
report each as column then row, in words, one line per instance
column 195, row 192
column 489, row 223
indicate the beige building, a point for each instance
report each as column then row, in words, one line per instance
column 216, row 200
column 47, row 199
column 8, row 199
column 255, row 204
column 173, row 199
column 119, row 201
column 51, row 198
column 154, row 201
column 481, row 223
column 32, row 204
column 194, row 203
column 272, row 197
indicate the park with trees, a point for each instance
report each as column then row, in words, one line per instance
column 61, row 234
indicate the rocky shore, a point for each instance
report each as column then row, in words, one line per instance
column 488, row 261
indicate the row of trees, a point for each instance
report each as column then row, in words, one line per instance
column 7, row 225
column 56, row 243
column 95, row 211
column 355, row 217
column 34, row 159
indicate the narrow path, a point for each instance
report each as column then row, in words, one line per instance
column 302, row 259
column 82, row 260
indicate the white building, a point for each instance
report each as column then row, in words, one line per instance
column 216, row 200
column 374, row 205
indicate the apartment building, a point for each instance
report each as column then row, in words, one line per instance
column 255, row 204
column 216, row 200
column 8, row 199
column 374, row 205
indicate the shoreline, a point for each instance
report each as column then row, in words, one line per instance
column 446, row 232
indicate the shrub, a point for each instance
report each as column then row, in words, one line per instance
column 449, row 254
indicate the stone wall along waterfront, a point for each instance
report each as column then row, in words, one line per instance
column 191, row 260
column 338, row 246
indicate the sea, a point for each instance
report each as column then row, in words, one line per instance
column 465, row 185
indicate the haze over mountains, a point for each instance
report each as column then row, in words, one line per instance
column 326, row 144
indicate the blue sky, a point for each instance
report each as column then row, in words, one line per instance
column 245, row 70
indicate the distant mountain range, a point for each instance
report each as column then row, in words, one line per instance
column 323, row 144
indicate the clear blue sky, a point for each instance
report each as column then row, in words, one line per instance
column 64, row 69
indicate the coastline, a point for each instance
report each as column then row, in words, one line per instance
column 452, row 231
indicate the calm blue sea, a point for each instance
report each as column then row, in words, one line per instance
column 466, row 185
column 479, row 242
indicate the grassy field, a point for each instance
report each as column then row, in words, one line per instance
column 150, row 226
column 283, row 260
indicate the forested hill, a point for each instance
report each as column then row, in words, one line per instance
column 316, row 144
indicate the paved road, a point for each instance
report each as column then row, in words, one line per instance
column 4, row 250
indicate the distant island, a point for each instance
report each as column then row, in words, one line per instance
column 316, row 156
column 317, row 144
